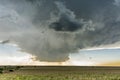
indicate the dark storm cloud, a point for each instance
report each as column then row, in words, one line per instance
column 52, row 29
column 85, row 8
column 64, row 24
column 67, row 21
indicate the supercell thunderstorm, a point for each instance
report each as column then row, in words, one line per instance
column 51, row 30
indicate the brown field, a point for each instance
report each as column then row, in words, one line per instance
column 62, row 73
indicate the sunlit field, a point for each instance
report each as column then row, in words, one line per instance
column 61, row 73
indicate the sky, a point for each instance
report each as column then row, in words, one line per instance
column 60, row 32
column 11, row 55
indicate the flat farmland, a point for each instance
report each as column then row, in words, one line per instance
column 62, row 73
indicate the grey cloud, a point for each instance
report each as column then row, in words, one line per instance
column 51, row 30
column 67, row 21
column 5, row 41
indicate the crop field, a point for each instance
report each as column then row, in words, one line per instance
column 60, row 73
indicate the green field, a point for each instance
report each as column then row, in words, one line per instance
column 62, row 73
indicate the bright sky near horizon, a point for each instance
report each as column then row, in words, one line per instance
column 10, row 55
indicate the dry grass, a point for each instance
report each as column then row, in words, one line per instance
column 63, row 73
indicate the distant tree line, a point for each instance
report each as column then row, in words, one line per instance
column 9, row 68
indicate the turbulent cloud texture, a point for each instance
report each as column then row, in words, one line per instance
column 52, row 29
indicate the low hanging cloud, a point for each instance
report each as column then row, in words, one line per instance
column 51, row 30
